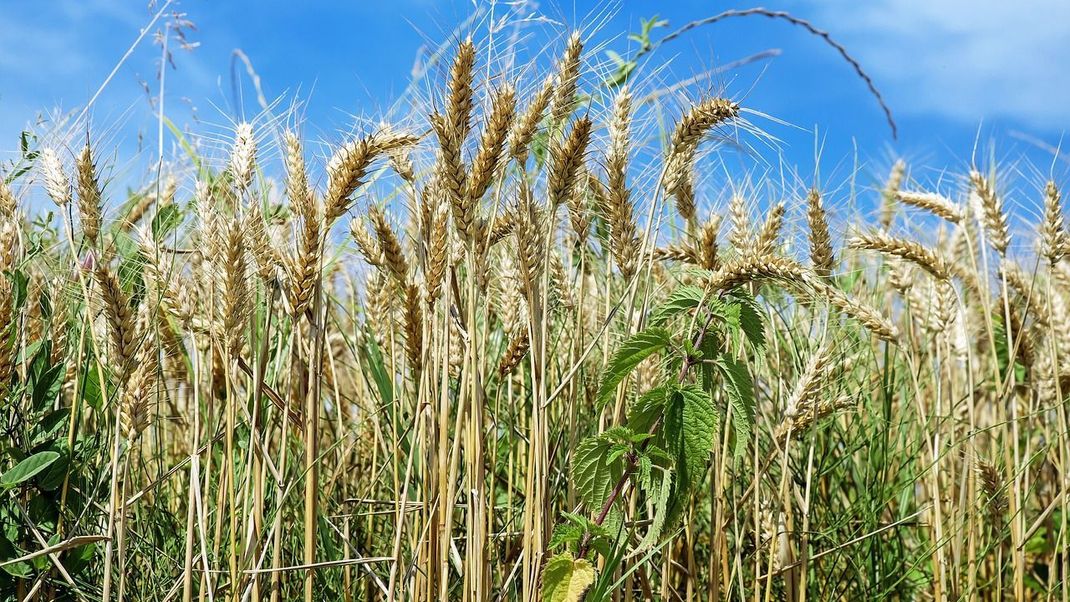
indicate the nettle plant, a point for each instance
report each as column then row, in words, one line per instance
column 663, row 449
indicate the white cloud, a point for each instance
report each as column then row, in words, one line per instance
column 963, row 59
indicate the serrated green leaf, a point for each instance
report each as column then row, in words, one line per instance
column 740, row 392
column 647, row 409
column 565, row 579
column 750, row 319
column 658, row 488
column 565, row 535
column 637, row 348
column 28, row 468
column 691, row 435
column 680, row 300
column 594, row 471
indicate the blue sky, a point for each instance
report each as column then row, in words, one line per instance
column 952, row 70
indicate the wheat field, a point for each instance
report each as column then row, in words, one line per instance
column 520, row 344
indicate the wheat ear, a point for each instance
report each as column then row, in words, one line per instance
column 88, row 196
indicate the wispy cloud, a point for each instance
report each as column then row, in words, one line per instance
column 963, row 59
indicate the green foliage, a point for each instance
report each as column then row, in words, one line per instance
column 680, row 300
column 625, row 67
column 565, row 578
column 598, row 464
column 165, row 221
column 671, row 429
column 740, row 393
column 637, row 348
column 28, row 468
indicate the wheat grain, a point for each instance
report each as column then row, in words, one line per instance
column 1054, row 243
column 527, row 123
column 991, row 209
column 566, row 161
column 568, row 73
column 57, row 184
column 617, row 208
column 88, row 196
column 243, row 156
column 932, row 202
column 908, row 250
column 821, row 255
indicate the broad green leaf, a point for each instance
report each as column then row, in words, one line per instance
column 690, row 427
column 740, row 393
column 680, row 300
column 647, row 409
column 565, row 579
column 594, row 472
column 29, row 467
column 750, row 319
column 637, row 348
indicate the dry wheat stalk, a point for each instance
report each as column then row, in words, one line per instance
column 261, row 248
column 809, row 415
column 297, row 188
column 514, row 353
column 677, row 252
column 389, row 246
column 413, row 322
column 348, row 166
column 304, row 264
column 437, row 257
column 739, row 235
column 136, row 404
column 529, row 240
column 993, row 490
column 236, row 299
column 366, row 243
column 753, row 268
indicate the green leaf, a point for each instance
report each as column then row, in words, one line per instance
column 680, row 300
column 637, row 348
column 740, row 393
column 647, row 409
column 378, row 370
column 565, row 579
column 29, row 467
column 750, row 319
column 658, row 487
column 593, row 470
column 166, row 220
column 691, row 427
